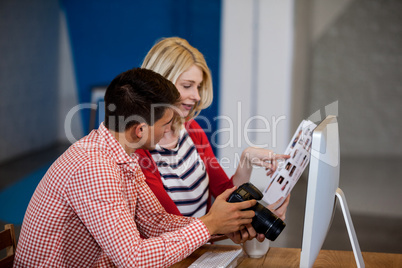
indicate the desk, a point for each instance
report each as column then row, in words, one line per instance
column 290, row 257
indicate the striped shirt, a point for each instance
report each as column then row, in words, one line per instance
column 184, row 176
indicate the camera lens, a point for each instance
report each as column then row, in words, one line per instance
column 266, row 222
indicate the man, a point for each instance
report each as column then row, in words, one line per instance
column 93, row 208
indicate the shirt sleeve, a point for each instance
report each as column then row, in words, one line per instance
column 96, row 195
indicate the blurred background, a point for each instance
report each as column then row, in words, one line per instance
column 273, row 63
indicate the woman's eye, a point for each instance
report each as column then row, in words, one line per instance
column 186, row 86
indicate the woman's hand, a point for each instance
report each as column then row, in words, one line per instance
column 247, row 233
column 253, row 156
column 263, row 158
column 280, row 211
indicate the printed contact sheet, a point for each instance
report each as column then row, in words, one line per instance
column 287, row 175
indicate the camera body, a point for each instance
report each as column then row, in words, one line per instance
column 264, row 221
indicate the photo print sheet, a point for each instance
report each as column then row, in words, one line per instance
column 289, row 172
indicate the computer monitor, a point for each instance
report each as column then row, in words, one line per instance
column 322, row 191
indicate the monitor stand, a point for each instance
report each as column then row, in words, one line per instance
column 351, row 230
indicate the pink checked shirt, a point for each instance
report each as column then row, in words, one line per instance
column 90, row 209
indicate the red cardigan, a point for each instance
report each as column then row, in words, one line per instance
column 218, row 180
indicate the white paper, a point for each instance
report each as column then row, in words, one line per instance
column 289, row 172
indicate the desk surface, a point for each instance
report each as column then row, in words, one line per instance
column 290, row 257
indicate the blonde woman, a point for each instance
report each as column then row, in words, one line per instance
column 183, row 171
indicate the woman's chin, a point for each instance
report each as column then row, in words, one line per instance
column 184, row 113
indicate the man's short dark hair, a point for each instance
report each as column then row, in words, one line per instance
column 138, row 96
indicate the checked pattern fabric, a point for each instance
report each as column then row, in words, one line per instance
column 93, row 209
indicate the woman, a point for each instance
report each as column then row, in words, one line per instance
column 183, row 171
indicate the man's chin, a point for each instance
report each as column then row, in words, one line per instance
column 149, row 147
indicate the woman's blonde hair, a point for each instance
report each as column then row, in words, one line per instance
column 172, row 56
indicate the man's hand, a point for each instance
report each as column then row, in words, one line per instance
column 225, row 217
column 249, row 233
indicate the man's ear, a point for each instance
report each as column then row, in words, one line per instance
column 139, row 130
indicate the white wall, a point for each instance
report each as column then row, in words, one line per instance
column 265, row 69
column 256, row 70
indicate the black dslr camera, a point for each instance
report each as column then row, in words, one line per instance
column 264, row 221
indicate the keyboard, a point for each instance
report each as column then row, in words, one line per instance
column 218, row 259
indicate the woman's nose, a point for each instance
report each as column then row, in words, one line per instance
column 196, row 95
